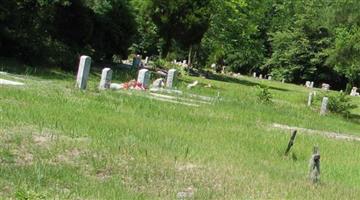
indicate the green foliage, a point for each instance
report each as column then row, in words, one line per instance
column 57, row 32
column 341, row 103
column 184, row 21
column 263, row 94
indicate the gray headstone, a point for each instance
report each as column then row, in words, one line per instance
column 324, row 106
column 311, row 94
column 144, row 78
column 83, row 72
column 105, row 81
column 171, row 78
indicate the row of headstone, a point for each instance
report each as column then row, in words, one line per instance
column 354, row 92
column 309, row 84
column 183, row 63
column 106, row 76
column 269, row 77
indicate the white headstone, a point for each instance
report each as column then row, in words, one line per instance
column 354, row 92
column 283, row 81
column 184, row 62
column 146, row 60
column 325, row 86
column 311, row 94
column 324, row 106
column 83, row 72
column 144, row 78
column 105, row 81
column 260, row 76
column 312, row 84
column 171, row 78
column 213, row 66
column 307, row 84
column 254, row 74
column 269, row 78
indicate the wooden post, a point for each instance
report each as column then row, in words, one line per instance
column 314, row 166
column 291, row 142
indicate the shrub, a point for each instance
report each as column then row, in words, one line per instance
column 264, row 94
column 339, row 103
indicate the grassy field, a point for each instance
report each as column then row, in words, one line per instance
column 61, row 143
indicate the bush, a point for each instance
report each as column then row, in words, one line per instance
column 339, row 103
column 264, row 94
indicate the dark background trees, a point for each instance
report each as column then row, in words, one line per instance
column 315, row 40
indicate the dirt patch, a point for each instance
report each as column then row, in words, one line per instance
column 68, row 157
column 333, row 135
column 186, row 167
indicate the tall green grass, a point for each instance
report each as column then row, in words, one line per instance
column 110, row 145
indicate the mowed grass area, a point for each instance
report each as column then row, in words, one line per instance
column 61, row 143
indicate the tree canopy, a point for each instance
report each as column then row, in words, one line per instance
column 295, row 40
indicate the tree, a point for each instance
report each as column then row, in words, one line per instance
column 184, row 21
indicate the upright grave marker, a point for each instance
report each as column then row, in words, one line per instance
column 311, row 94
column 83, row 72
column 171, row 78
column 105, row 79
column 254, row 74
column 324, row 106
column 260, row 76
column 269, row 78
column 144, row 78
column 312, row 84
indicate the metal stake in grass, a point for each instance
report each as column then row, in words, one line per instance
column 291, row 142
column 314, row 166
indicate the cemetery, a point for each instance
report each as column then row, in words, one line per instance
column 114, row 116
column 158, row 99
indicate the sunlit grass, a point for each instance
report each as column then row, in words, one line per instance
column 58, row 142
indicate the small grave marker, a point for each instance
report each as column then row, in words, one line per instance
column 105, row 81
column 311, row 94
column 144, row 78
column 324, row 106
column 171, row 78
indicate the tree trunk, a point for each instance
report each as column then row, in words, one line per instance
column 189, row 57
